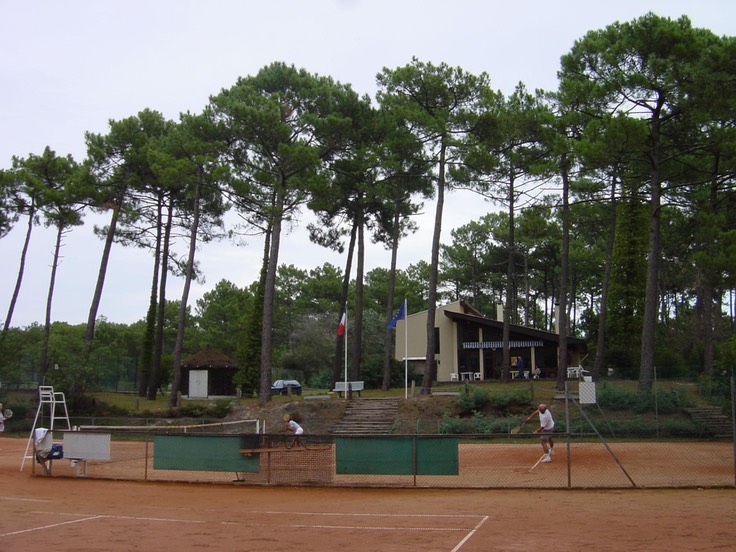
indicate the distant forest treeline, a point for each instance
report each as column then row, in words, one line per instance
column 616, row 197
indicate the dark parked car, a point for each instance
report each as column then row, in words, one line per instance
column 281, row 387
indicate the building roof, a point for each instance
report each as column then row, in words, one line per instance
column 209, row 358
column 524, row 331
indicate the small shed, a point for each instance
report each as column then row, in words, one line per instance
column 208, row 373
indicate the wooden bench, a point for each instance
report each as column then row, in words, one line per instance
column 352, row 386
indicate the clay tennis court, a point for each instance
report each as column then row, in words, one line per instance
column 82, row 514
column 481, row 463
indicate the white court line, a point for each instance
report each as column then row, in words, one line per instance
column 345, row 514
column 462, row 542
column 378, row 528
column 111, row 516
column 385, row 528
column 25, row 499
column 49, row 526
column 91, row 517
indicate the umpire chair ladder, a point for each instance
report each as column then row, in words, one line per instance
column 54, row 400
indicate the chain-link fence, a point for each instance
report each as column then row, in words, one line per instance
column 467, row 460
column 594, row 447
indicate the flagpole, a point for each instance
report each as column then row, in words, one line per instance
column 406, row 351
column 345, row 345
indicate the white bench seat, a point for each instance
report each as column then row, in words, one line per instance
column 352, row 386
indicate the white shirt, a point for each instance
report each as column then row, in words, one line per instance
column 295, row 427
column 546, row 421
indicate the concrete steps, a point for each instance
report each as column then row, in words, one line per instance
column 368, row 417
column 713, row 420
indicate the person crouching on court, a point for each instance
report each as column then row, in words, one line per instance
column 546, row 427
column 294, row 428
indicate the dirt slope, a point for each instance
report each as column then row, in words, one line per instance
column 320, row 415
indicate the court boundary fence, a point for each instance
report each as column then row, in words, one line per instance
column 227, row 453
column 449, row 461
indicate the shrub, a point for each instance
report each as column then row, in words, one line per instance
column 472, row 400
column 672, row 401
column 667, row 402
column 91, row 406
column 320, row 380
column 482, row 424
column 518, row 397
column 451, row 425
column 486, row 425
column 676, row 428
column 615, row 398
column 477, row 399
column 215, row 409
column 716, row 389
column 218, row 409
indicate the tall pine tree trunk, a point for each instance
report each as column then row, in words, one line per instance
column 97, row 297
column 562, row 360
column 154, row 378
column 21, row 270
column 508, row 304
column 358, row 308
column 144, row 369
column 181, row 319
column 651, row 302
column 600, row 351
column 44, row 360
column 389, row 335
column 430, row 367
column 269, row 290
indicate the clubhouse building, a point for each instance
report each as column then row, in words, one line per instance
column 469, row 346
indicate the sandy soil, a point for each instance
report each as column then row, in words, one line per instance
column 86, row 515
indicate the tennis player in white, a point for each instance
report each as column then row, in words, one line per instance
column 294, row 428
column 2, row 419
column 546, row 427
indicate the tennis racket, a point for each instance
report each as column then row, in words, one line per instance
column 518, row 428
column 8, row 413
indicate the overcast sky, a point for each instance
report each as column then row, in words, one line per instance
column 68, row 67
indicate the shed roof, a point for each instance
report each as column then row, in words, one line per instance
column 209, row 358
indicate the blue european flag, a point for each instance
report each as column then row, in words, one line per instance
column 400, row 315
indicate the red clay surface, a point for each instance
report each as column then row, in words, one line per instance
column 87, row 515
column 495, row 463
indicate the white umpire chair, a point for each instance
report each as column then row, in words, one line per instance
column 41, row 442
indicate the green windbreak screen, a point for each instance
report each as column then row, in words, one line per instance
column 397, row 456
column 203, row 453
column 438, row 456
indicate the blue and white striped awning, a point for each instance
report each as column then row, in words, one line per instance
column 499, row 344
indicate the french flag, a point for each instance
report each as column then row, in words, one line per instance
column 343, row 320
